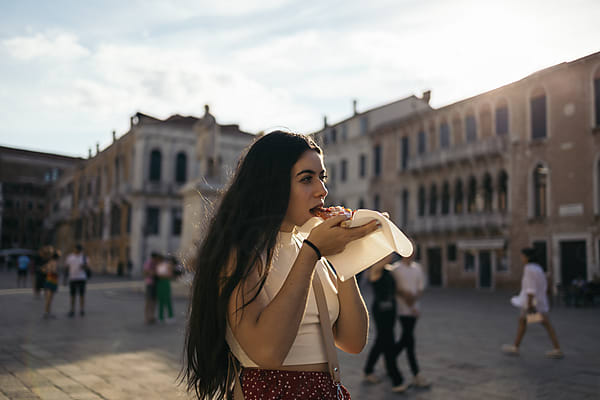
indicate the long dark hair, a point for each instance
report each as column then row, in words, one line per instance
column 244, row 227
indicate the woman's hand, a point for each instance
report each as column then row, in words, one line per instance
column 331, row 238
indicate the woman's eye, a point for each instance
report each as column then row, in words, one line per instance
column 307, row 178
column 324, row 178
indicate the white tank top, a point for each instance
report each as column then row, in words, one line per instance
column 308, row 347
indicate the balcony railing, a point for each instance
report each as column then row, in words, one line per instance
column 450, row 223
column 480, row 149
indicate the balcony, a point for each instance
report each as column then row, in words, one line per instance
column 467, row 151
column 452, row 223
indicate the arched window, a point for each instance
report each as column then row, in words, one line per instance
column 405, row 206
column 538, row 114
column 181, row 168
column 472, row 195
column 421, row 201
column 485, row 120
column 444, row 135
column 117, row 171
column 457, row 129
column 597, row 97
column 540, row 182
column 422, row 142
column 115, row 220
column 502, row 191
column 501, row 118
column 458, row 197
column 155, row 165
column 488, row 193
column 470, row 128
column 210, row 167
column 433, row 199
column 445, row 198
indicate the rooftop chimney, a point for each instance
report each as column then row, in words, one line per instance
column 324, row 121
column 114, row 136
column 206, row 109
column 427, row 96
column 89, row 152
column 354, row 102
column 97, row 148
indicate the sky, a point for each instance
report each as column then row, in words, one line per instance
column 71, row 72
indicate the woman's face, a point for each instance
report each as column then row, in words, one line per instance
column 307, row 189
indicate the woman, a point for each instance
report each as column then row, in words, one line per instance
column 252, row 288
column 51, row 283
column 533, row 299
column 384, row 312
column 164, row 274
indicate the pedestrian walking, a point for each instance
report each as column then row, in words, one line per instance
column 150, row 281
column 23, row 262
column 531, row 300
column 384, row 314
column 51, row 283
column 410, row 284
column 77, row 264
column 164, row 274
column 258, row 285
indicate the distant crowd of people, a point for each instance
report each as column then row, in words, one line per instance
column 45, row 271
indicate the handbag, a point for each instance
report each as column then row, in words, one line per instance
column 325, row 322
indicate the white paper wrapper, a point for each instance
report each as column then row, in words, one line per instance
column 362, row 253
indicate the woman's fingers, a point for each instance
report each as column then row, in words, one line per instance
column 363, row 230
column 333, row 221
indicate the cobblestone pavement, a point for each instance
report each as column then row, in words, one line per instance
column 111, row 354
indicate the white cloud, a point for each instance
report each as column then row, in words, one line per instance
column 122, row 79
column 54, row 45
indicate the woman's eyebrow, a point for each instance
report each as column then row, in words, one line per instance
column 309, row 171
column 306, row 171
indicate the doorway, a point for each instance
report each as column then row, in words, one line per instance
column 434, row 266
column 573, row 260
column 485, row 269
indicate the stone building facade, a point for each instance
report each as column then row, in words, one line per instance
column 218, row 151
column 25, row 180
column 350, row 158
column 474, row 182
column 125, row 201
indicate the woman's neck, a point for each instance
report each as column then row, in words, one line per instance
column 286, row 227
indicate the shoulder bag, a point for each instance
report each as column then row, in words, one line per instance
column 332, row 359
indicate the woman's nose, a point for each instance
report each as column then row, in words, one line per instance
column 322, row 190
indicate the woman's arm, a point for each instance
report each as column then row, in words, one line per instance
column 352, row 326
column 266, row 330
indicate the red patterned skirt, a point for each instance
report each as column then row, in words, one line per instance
column 266, row 384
